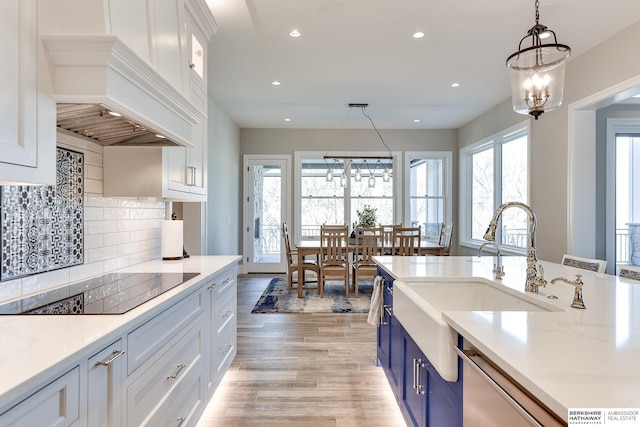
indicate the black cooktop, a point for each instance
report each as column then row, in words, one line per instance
column 113, row 293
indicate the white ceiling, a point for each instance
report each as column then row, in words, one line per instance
column 362, row 51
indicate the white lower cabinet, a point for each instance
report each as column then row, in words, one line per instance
column 55, row 405
column 104, row 391
column 161, row 371
column 156, row 389
column 223, row 337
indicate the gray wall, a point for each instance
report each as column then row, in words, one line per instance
column 224, row 220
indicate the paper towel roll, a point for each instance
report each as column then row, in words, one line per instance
column 172, row 242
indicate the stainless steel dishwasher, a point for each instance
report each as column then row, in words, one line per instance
column 491, row 398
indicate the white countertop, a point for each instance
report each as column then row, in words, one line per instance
column 34, row 348
column 569, row 359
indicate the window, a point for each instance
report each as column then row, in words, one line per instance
column 429, row 184
column 493, row 172
column 336, row 201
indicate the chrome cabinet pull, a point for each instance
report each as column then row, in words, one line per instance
column 389, row 310
column 227, row 348
column 227, row 313
column 415, row 374
column 191, row 176
column 212, row 286
column 180, row 421
column 390, row 290
column 175, row 373
column 109, row 360
column 419, row 387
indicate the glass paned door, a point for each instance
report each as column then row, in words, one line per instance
column 265, row 213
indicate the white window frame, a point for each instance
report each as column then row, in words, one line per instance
column 447, row 158
column 466, row 175
column 299, row 156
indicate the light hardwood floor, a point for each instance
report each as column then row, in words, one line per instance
column 301, row 370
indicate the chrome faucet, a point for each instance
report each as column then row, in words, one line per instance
column 534, row 280
column 498, row 269
column 577, row 295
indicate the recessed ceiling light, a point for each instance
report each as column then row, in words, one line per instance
column 275, row 83
column 294, row 33
column 416, row 121
column 455, row 84
column 287, row 119
column 418, row 35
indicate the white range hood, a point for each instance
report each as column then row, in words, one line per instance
column 108, row 94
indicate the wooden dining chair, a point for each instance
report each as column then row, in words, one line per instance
column 368, row 244
column 590, row 264
column 406, row 241
column 292, row 262
column 334, row 263
column 629, row 272
column 387, row 238
column 445, row 237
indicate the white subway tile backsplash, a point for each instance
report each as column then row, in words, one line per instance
column 93, row 172
column 119, row 213
column 86, row 270
column 119, row 238
column 93, row 186
column 100, row 227
column 128, row 249
column 43, row 281
column 116, row 263
column 93, row 241
column 93, row 213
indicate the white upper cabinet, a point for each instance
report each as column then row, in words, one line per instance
column 27, row 116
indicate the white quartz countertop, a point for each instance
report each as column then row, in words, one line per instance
column 35, row 348
column 568, row 359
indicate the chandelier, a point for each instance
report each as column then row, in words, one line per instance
column 334, row 169
column 537, row 71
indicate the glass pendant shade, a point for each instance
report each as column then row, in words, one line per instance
column 372, row 181
column 386, row 176
column 537, row 78
column 343, row 180
column 358, row 176
column 537, row 71
column 329, row 176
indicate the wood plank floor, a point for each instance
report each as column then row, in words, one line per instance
column 301, row 370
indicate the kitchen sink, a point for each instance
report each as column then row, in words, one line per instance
column 419, row 307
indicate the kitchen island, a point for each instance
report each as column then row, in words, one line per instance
column 568, row 358
column 157, row 362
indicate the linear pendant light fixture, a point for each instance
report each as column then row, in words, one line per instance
column 537, row 71
column 386, row 174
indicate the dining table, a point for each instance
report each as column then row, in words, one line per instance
column 313, row 247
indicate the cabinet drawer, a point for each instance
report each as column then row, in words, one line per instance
column 224, row 350
column 223, row 281
column 57, row 404
column 224, row 312
column 149, row 390
column 184, row 404
column 145, row 341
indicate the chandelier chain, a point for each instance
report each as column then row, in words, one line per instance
column 537, row 12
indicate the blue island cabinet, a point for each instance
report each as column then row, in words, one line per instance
column 424, row 397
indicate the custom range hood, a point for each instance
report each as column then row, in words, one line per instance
column 106, row 93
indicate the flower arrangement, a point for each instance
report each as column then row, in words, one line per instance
column 367, row 217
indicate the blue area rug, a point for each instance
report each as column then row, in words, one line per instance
column 276, row 298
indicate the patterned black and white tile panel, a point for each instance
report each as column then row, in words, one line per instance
column 41, row 227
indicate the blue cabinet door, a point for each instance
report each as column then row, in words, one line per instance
column 415, row 384
column 396, row 355
column 444, row 400
column 384, row 328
